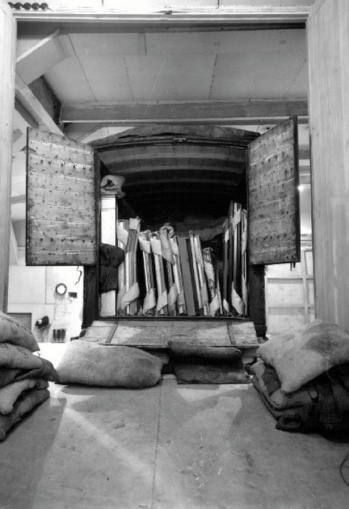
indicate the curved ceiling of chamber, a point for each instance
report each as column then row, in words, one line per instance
column 176, row 171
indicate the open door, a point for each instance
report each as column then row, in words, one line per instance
column 273, row 196
column 61, row 201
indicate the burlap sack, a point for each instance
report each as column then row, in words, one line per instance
column 278, row 398
column 200, row 364
column 192, row 351
column 13, row 356
column 11, row 331
column 313, row 351
column 25, row 403
column 210, row 374
column 45, row 371
column 10, row 393
column 108, row 366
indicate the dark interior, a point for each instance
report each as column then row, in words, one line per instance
column 183, row 175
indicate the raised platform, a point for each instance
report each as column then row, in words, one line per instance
column 153, row 334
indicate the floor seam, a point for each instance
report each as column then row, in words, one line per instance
column 156, row 450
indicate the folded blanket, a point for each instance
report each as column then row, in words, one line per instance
column 13, row 332
column 25, row 403
column 320, row 405
column 313, row 350
column 45, row 371
column 10, row 393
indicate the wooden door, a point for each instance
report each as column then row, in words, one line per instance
column 61, row 201
column 7, row 88
column 273, row 196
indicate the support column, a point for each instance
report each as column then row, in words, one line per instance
column 108, row 236
column 7, row 91
column 328, row 51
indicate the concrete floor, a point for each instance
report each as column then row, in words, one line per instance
column 169, row 447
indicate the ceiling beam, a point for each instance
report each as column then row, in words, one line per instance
column 28, row 45
column 26, row 117
column 155, row 13
column 22, row 119
column 219, row 112
column 37, row 55
column 40, row 57
column 34, row 107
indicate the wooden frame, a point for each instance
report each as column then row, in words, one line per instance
column 7, row 59
column 247, row 16
column 237, row 14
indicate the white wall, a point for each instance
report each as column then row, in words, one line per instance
column 32, row 290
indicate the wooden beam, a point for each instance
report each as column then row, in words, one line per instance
column 24, row 51
column 80, row 132
column 13, row 246
column 328, row 29
column 156, row 14
column 7, row 87
column 34, row 107
column 27, row 117
column 183, row 112
column 39, row 62
column 21, row 120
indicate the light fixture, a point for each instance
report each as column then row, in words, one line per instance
column 61, row 289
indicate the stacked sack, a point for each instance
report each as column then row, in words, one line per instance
column 24, row 376
column 303, row 378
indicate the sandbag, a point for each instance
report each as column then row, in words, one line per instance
column 25, row 403
column 311, row 352
column 13, row 332
column 200, row 364
column 192, row 351
column 108, row 366
column 45, row 371
column 13, row 356
column 207, row 373
column 270, row 386
column 10, row 393
column 321, row 405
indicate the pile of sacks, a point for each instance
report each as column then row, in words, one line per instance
column 24, row 376
column 303, row 378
